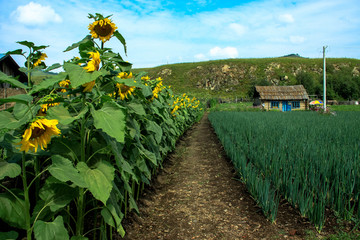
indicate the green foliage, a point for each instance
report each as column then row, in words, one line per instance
column 311, row 160
column 115, row 130
column 307, row 80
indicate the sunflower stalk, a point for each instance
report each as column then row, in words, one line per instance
column 81, row 197
column 27, row 199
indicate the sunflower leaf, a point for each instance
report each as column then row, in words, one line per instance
column 37, row 48
column 15, row 52
column 79, row 76
column 52, row 67
column 26, row 43
column 57, row 194
column 112, row 218
column 75, row 45
column 48, row 82
column 12, row 81
column 118, row 35
column 12, row 210
column 51, row 230
column 63, row 170
column 137, row 108
column 152, row 126
column 7, row 121
column 21, row 98
column 99, row 180
column 111, row 119
column 12, row 235
column 9, row 170
column 62, row 114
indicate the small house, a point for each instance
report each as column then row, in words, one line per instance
column 283, row 98
column 10, row 68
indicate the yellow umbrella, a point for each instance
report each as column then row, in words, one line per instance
column 316, row 102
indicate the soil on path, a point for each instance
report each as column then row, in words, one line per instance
column 197, row 196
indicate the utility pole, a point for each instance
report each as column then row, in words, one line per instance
column 324, row 74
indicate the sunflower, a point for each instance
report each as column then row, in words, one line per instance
column 102, row 29
column 88, row 86
column 145, row 78
column 94, row 63
column 47, row 102
column 125, row 75
column 39, row 133
column 41, row 58
column 124, row 91
column 64, row 85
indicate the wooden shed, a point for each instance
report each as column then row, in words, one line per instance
column 283, row 98
column 10, row 68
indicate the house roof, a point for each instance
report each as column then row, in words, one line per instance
column 10, row 63
column 296, row 92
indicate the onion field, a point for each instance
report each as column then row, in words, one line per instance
column 311, row 160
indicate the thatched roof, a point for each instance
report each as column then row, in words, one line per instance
column 296, row 92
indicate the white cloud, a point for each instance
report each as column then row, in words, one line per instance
column 297, row 39
column 200, row 57
column 160, row 35
column 286, row 18
column 227, row 52
column 237, row 28
column 34, row 14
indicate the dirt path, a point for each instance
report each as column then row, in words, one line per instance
column 196, row 196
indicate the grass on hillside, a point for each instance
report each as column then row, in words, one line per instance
column 184, row 77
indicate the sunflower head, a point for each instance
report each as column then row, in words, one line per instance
column 125, row 75
column 88, row 86
column 65, row 84
column 47, row 102
column 145, row 78
column 39, row 134
column 94, row 63
column 40, row 58
column 102, row 28
column 124, row 91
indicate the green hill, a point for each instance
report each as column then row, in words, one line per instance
column 236, row 78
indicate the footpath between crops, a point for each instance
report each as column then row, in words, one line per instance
column 197, row 196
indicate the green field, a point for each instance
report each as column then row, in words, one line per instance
column 345, row 107
column 309, row 159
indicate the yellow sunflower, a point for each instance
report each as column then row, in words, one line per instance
column 125, row 75
column 39, row 133
column 145, row 78
column 47, row 102
column 88, row 86
column 42, row 58
column 64, row 84
column 102, row 29
column 94, row 63
column 124, row 91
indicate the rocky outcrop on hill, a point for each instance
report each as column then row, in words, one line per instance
column 239, row 76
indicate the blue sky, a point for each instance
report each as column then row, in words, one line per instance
column 159, row 32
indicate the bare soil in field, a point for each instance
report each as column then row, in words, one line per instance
column 197, row 195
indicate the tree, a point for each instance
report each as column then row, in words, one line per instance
column 307, row 80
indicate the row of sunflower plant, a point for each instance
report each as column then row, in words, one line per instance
column 78, row 148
